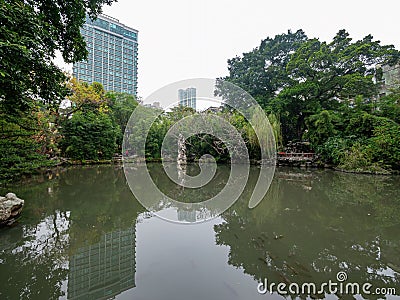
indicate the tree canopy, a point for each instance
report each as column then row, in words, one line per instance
column 325, row 93
column 294, row 76
column 31, row 33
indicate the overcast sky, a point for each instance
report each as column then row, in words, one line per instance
column 182, row 39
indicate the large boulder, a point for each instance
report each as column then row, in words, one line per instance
column 10, row 208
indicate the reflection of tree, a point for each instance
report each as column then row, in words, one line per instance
column 34, row 267
column 75, row 210
column 378, row 193
column 305, row 231
column 158, row 196
column 193, row 205
column 189, row 195
column 100, row 202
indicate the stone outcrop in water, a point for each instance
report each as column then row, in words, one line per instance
column 10, row 208
column 181, row 150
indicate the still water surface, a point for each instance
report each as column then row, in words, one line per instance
column 83, row 235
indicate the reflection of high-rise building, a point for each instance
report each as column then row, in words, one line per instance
column 112, row 58
column 187, row 215
column 104, row 269
column 187, row 97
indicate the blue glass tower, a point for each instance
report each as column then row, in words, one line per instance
column 113, row 55
column 187, row 97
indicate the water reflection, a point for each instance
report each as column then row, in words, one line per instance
column 174, row 202
column 34, row 259
column 104, row 269
column 312, row 225
column 83, row 247
column 83, row 235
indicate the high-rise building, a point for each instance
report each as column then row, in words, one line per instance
column 113, row 55
column 390, row 79
column 187, row 97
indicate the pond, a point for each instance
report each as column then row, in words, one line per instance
column 83, row 235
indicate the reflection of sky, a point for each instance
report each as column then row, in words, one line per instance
column 175, row 261
column 387, row 272
column 43, row 238
column 42, row 242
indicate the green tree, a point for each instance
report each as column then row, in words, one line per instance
column 85, row 97
column 320, row 128
column 296, row 77
column 22, row 149
column 31, row 33
column 324, row 72
column 384, row 145
column 137, row 133
column 368, row 144
column 262, row 71
column 179, row 112
column 89, row 135
column 389, row 106
column 121, row 105
column 91, row 132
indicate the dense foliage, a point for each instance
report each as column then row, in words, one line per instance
column 92, row 127
column 31, row 33
column 121, row 107
column 88, row 126
column 321, row 92
column 200, row 144
column 89, row 135
column 23, row 150
column 326, row 93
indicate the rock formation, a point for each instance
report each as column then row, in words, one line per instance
column 181, row 150
column 10, row 209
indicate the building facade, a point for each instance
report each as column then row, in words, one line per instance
column 187, row 97
column 105, row 269
column 390, row 79
column 113, row 55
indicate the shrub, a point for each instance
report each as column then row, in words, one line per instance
column 89, row 135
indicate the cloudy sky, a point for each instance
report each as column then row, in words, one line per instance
column 182, row 39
